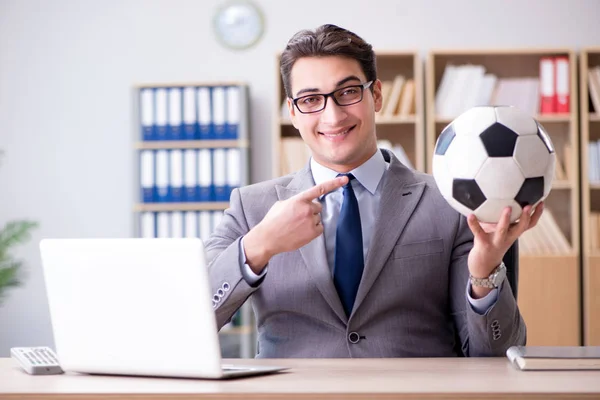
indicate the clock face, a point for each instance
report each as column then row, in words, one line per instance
column 238, row 24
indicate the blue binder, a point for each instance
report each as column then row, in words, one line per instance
column 147, row 119
column 190, row 119
column 175, row 128
column 204, row 107
column 233, row 112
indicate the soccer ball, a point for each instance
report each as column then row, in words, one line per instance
column 491, row 157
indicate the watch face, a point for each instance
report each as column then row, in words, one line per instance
column 238, row 24
column 499, row 275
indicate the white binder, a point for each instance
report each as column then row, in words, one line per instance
column 176, row 175
column 175, row 114
column 162, row 106
column 147, row 225
column 162, row 175
column 147, row 175
column 176, row 224
column 190, row 175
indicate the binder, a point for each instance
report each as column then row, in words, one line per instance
column 217, row 216
column 190, row 222
column 176, row 175
column 204, row 225
column 219, row 104
column 163, row 229
column 233, row 170
column 204, row 113
column 162, row 176
column 147, row 225
column 176, row 224
column 547, row 86
column 205, row 190
column 233, row 112
column 189, row 114
column 562, row 84
column 147, row 113
column 220, row 174
column 175, row 114
column 147, row 175
column 161, row 113
column 190, row 173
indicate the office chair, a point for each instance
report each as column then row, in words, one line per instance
column 511, row 260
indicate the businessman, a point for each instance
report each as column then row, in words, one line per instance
column 356, row 255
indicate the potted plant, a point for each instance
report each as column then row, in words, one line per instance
column 13, row 233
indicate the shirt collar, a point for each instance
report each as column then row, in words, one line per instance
column 368, row 174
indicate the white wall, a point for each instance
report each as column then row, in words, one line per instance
column 67, row 70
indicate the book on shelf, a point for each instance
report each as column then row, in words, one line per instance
column 545, row 238
column 594, row 88
column 469, row 85
column 554, row 357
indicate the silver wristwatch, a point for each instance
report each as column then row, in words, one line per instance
column 492, row 281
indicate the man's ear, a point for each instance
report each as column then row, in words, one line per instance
column 292, row 111
column 377, row 95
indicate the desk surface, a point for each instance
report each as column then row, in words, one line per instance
column 321, row 379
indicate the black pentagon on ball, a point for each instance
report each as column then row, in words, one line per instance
column 499, row 140
column 444, row 140
column 531, row 191
column 467, row 193
column 545, row 137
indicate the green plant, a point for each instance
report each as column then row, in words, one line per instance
column 13, row 233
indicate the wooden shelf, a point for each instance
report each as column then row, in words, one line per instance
column 191, row 144
column 560, row 290
column 590, row 200
column 206, row 206
column 562, row 185
column 404, row 131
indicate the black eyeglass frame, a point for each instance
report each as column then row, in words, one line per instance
column 362, row 87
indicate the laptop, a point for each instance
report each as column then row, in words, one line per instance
column 134, row 307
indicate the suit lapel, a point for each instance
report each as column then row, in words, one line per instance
column 314, row 253
column 399, row 198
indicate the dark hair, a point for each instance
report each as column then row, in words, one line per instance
column 327, row 40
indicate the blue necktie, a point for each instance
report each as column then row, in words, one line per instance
column 349, row 263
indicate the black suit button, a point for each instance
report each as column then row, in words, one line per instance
column 353, row 337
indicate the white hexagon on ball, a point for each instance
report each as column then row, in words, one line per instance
column 491, row 210
column 517, row 120
column 532, row 156
column 500, row 178
column 465, row 156
column 474, row 121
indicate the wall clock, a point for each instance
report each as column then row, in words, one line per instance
column 239, row 24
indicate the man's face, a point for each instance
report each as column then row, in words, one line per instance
column 340, row 137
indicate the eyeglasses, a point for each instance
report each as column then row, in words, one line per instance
column 345, row 96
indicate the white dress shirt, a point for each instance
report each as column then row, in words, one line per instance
column 367, row 188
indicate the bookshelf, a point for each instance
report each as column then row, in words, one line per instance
column 191, row 150
column 549, row 292
column 400, row 128
column 590, row 191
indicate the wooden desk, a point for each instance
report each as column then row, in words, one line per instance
column 462, row 378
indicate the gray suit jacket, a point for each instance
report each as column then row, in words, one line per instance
column 412, row 300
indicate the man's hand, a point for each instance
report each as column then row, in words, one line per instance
column 289, row 225
column 492, row 241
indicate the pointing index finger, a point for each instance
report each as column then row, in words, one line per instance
column 323, row 188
